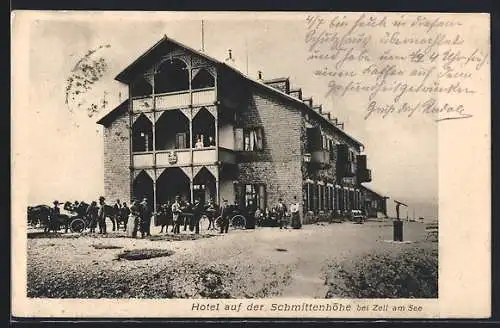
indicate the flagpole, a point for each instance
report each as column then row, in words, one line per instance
column 202, row 36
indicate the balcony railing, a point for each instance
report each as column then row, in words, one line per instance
column 182, row 157
column 144, row 104
column 365, row 175
column 204, row 97
column 173, row 100
column 143, row 160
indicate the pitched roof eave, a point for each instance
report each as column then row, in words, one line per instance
column 106, row 119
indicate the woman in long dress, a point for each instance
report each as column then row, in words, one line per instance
column 295, row 209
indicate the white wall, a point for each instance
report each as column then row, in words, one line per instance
column 226, row 136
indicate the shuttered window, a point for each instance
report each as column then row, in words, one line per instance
column 252, row 139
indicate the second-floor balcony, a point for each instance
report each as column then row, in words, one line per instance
column 172, row 100
column 184, row 157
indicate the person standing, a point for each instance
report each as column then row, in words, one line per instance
column 195, row 221
column 162, row 217
column 281, row 213
column 224, row 213
column 135, row 216
column 92, row 212
column 186, row 213
column 101, row 215
column 117, row 214
column 176, row 215
column 211, row 214
column 295, row 210
column 145, row 218
column 124, row 214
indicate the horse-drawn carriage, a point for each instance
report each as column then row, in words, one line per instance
column 72, row 217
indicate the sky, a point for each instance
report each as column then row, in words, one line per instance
column 65, row 151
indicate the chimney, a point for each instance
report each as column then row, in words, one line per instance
column 230, row 58
column 259, row 75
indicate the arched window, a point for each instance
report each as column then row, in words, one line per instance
column 203, row 79
column 172, row 76
column 142, row 135
column 140, row 87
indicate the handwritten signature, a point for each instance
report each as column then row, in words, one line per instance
column 430, row 106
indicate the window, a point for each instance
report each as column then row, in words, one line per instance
column 256, row 194
column 352, row 157
column 252, row 139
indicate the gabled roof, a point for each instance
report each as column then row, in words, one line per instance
column 372, row 191
column 110, row 117
column 125, row 75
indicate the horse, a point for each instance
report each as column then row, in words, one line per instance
column 165, row 217
column 39, row 214
column 115, row 216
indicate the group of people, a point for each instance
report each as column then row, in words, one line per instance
column 181, row 212
column 201, row 143
column 281, row 213
column 137, row 217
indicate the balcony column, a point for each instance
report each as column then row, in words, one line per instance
column 191, row 189
column 154, row 196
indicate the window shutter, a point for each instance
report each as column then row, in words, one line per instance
column 238, row 139
column 259, row 139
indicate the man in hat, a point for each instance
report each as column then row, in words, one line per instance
column 145, row 218
column 176, row 214
column 101, row 215
column 224, row 213
column 195, row 221
column 56, row 210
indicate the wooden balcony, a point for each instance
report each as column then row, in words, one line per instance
column 173, row 100
column 182, row 157
column 142, row 104
column 143, row 160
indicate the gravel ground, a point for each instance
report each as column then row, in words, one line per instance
column 261, row 263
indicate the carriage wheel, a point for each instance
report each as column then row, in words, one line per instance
column 77, row 225
column 238, row 222
column 218, row 222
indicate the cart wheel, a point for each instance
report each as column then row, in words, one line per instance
column 238, row 222
column 77, row 225
column 218, row 222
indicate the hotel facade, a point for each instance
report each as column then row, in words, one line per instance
column 196, row 127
